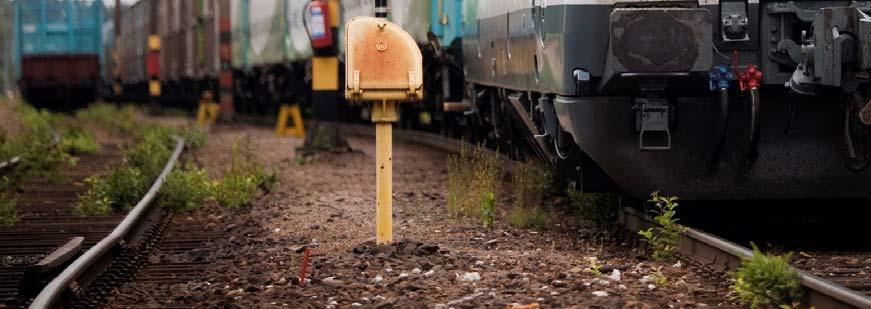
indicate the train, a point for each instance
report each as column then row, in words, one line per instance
column 709, row 99
column 57, row 51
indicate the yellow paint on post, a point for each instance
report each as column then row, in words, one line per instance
column 384, row 114
column 153, row 42
column 325, row 74
column 333, row 5
column 207, row 114
column 292, row 112
column 154, row 88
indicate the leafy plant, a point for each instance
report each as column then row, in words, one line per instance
column 152, row 152
column 79, row 142
column 8, row 213
column 244, row 176
column 488, row 202
column 472, row 177
column 194, row 137
column 594, row 267
column 600, row 209
column 186, row 188
column 766, row 280
column 664, row 238
column 659, row 279
column 110, row 117
column 98, row 199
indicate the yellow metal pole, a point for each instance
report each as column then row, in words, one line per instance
column 384, row 114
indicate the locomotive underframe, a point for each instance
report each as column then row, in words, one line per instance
column 801, row 141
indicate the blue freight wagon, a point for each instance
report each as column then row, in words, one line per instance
column 58, row 51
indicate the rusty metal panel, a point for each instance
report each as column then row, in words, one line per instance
column 661, row 40
column 383, row 62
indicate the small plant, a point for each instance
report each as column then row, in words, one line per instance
column 472, row 176
column 600, row 209
column 663, row 240
column 79, row 142
column 8, row 214
column 488, row 202
column 97, row 201
column 152, row 152
column 530, row 181
column 194, row 137
column 594, row 267
column 659, row 279
column 766, row 280
column 538, row 218
column 110, row 117
column 186, row 188
column 243, row 176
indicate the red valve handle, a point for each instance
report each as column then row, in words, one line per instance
column 751, row 78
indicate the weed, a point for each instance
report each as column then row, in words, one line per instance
column 766, row 280
column 98, row 200
column 110, row 117
column 34, row 143
column 186, row 188
column 472, row 177
column 488, row 202
column 659, row 279
column 243, row 176
column 151, row 153
column 8, row 213
column 537, row 218
column 594, row 267
column 530, row 181
column 79, row 142
column 194, row 137
column 600, row 209
column 663, row 240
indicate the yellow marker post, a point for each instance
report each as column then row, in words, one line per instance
column 384, row 65
column 207, row 113
column 292, row 112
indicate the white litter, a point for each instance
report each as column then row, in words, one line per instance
column 377, row 279
column 600, row 293
column 473, row 276
column 615, row 275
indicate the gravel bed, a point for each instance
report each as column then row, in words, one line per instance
column 437, row 261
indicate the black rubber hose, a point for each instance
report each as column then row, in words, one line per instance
column 722, row 129
column 851, row 159
column 753, row 149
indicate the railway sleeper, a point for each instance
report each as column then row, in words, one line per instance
column 37, row 275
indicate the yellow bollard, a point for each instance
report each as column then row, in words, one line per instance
column 384, row 115
column 384, row 65
column 292, row 112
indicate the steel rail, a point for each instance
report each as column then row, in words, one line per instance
column 55, row 289
column 698, row 245
column 725, row 255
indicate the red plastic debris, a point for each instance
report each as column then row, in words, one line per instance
column 304, row 267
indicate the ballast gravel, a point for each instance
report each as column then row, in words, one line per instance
column 327, row 203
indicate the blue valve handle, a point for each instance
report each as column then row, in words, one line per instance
column 719, row 77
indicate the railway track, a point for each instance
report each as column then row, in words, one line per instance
column 42, row 266
column 830, row 279
column 47, row 222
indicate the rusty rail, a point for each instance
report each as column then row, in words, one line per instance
column 721, row 254
column 60, row 284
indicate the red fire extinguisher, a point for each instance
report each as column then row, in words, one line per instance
column 320, row 26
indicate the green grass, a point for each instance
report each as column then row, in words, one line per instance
column 538, row 218
column 78, row 142
column 531, row 182
column 244, row 176
column 473, row 176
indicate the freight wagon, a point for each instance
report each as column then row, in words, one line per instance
column 58, row 51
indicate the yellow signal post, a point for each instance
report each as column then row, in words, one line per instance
column 207, row 113
column 384, row 66
column 292, row 112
